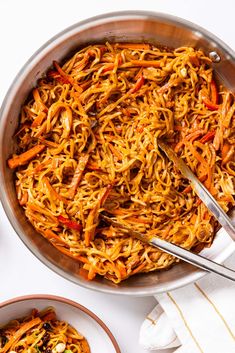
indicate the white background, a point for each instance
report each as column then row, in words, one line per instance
column 24, row 26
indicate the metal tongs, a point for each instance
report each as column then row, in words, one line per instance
column 212, row 205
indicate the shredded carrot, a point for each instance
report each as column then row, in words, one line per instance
column 24, row 198
column 139, row 268
column 83, row 273
column 179, row 145
column 227, row 153
column 40, row 166
column 23, row 158
column 91, row 273
column 216, row 141
column 41, row 210
column 194, row 135
column 133, row 46
column 48, row 143
column 188, row 188
column 67, row 77
column 68, row 253
column 49, row 316
column 214, row 93
column 137, row 85
column 77, row 177
column 207, row 137
column 22, row 330
column 111, row 66
column 54, row 238
column 211, row 104
column 22, row 128
column 194, row 60
column 93, row 166
column 227, row 120
column 52, row 191
column 197, row 155
column 55, row 75
column 93, row 215
column 198, row 202
column 41, row 106
column 115, row 152
column 145, row 63
column 121, row 269
column 39, row 119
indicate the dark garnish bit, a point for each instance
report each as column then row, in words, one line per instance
column 46, row 326
column 3, row 341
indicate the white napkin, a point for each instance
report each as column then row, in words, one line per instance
column 198, row 318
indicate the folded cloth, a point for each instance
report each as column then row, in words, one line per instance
column 156, row 331
column 197, row 318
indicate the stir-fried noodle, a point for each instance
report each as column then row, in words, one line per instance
column 41, row 332
column 88, row 142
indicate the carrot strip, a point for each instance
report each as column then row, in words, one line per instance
column 138, row 269
column 115, row 152
column 189, row 187
column 23, row 158
column 207, row 137
column 208, row 181
column 194, row 135
column 211, row 104
column 83, row 273
column 40, row 167
column 39, row 119
column 92, row 218
column 48, row 143
column 23, row 200
column 179, row 145
column 55, row 75
column 133, row 46
column 227, row 120
column 216, row 141
column 111, row 66
column 53, row 238
column 105, row 194
column 145, row 63
column 137, row 85
column 67, row 77
column 122, row 269
column 22, row 330
column 22, row 128
column 91, row 273
column 214, row 93
column 197, row 155
column 52, row 191
column 49, row 316
column 41, row 210
column 68, row 253
column 42, row 107
column 227, row 153
column 194, row 60
column 93, row 166
column 77, row 177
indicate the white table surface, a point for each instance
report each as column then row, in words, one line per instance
column 24, row 26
